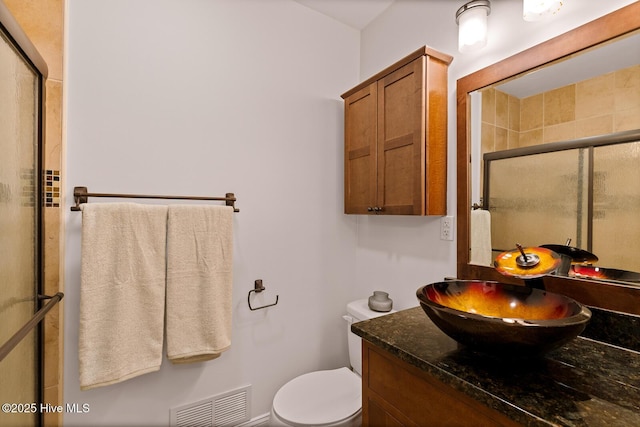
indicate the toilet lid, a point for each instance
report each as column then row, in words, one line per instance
column 320, row 397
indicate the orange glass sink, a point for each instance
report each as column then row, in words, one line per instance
column 503, row 319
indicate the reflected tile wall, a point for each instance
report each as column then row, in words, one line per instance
column 597, row 106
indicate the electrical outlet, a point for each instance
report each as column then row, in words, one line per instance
column 446, row 228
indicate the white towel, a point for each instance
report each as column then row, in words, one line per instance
column 122, row 291
column 481, row 238
column 199, row 282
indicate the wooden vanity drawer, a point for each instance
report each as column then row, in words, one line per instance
column 396, row 393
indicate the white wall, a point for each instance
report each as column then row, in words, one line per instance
column 192, row 97
column 206, row 97
column 401, row 254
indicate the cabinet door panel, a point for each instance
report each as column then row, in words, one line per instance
column 398, row 181
column 400, row 140
column 407, row 393
column 378, row 417
column 360, row 189
column 360, row 150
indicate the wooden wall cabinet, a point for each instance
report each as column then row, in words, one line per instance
column 395, row 393
column 395, row 152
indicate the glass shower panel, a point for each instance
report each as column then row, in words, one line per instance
column 616, row 202
column 538, row 199
column 19, row 224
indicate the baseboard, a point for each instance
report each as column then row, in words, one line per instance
column 261, row 420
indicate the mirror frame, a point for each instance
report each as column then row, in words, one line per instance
column 607, row 295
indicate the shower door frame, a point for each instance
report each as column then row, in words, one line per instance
column 587, row 146
column 25, row 49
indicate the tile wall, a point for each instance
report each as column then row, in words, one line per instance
column 597, row 106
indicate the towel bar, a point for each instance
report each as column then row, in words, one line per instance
column 259, row 287
column 81, row 195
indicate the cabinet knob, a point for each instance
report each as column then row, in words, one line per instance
column 370, row 209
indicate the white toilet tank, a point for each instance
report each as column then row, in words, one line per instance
column 357, row 311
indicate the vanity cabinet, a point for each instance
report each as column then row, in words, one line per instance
column 395, row 393
column 395, row 139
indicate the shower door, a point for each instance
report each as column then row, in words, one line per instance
column 20, row 166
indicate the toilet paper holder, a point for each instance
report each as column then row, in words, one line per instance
column 257, row 288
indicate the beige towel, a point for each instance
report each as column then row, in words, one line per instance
column 199, row 282
column 481, row 238
column 122, row 291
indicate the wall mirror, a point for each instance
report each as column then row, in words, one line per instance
column 516, row 110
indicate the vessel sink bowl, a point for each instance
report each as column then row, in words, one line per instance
column 502, row 319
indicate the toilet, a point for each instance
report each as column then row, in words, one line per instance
column 331, row 398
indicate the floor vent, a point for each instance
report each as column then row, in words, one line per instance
column 223, row 410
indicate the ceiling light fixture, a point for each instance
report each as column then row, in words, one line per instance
column 536, row 10
column 472, row 25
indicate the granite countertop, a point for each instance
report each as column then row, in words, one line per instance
column 585, row 383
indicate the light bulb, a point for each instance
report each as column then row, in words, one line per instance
column 536, row 10
column 472, row 21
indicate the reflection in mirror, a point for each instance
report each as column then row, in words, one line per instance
column 572, row 119
column 538, row 189
column 583, row 193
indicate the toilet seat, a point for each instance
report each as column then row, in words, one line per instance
column 319, row 398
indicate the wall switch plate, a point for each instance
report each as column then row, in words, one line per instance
column 446, row 228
